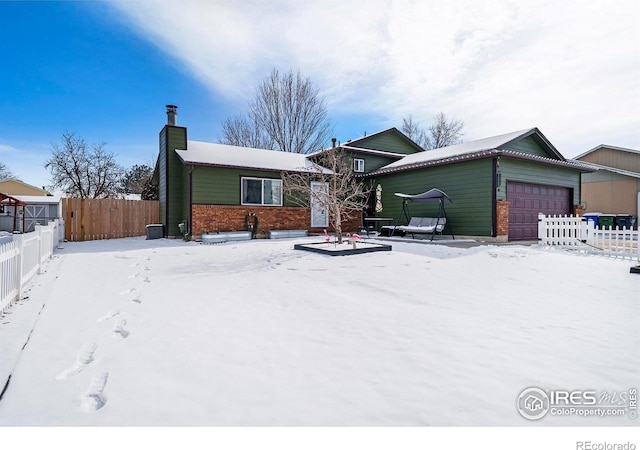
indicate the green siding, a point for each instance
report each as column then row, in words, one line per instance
column 536, row 173
column 221, row 186
column 173, row 189
column 162, row 177
column 530, row 146
column 387, row 142
column 372, row 162
column 468, row 184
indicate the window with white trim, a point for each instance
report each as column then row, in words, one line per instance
column 261, row 191
column 358, row 165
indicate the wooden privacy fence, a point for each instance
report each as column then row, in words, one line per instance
column 23, row 257
column 108, row 218
column 577, row 232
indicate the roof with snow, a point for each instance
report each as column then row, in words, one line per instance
column 626, row 173
column 482, row 148
column 222, row 155
column 361, row 141
column 38, row 199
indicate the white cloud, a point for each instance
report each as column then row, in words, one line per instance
column 572, row 68
column 6, row 149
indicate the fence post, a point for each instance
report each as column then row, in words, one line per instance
column 541, row 228
column 20, row 256
column 39, row 247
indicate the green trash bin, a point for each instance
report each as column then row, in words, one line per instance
column 606, row 221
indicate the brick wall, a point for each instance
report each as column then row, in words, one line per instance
column 578, row 210
column 212, row 218
column 502, row 218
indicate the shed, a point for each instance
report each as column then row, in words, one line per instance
column 34, row 210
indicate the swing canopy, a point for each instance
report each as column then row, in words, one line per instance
column 431, row 196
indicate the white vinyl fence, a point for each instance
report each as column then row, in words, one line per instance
column 24, row 257
column 577, row 232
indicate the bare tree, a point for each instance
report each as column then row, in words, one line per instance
column 445, row 132
column 5, row 172
column 412, row 130
column 287, row 114
column 340, row 193
column 82, row 170
column 442, row 132
column 242, row 132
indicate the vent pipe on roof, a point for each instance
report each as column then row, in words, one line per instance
column 172, row 112
column 333, row 141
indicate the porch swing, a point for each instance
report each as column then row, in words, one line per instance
column 422, row 225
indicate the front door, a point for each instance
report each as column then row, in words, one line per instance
column 319, row 213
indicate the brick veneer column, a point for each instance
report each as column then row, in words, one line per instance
column 502, row 218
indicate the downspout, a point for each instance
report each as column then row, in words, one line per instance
column 190, row 227
column 494, row 197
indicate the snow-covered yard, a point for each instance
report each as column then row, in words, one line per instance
column 170, row 333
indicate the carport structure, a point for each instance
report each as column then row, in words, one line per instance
column 7, row 201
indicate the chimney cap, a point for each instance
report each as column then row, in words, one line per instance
column 171, row 114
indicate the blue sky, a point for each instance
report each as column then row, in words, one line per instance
column 105, row 70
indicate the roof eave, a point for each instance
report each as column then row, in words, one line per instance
column 438, row 162
column 482, row 155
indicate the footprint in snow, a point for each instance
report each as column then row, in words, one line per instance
column 84, row 357
column 120, row 329
column 136, row 299
column 94, row 398
column 135, row 275
column 111, row 314
column 127, row 291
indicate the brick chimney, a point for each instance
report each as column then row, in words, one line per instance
column 172, row 112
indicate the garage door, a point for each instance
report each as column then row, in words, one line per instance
column 526, row 200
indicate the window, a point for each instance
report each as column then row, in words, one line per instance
column 358, row 165
column 261, row 191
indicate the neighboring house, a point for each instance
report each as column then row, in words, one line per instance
column 498, row 185
column 26, row 206
column 16, row 187
column 614, row 185
column 28, row 211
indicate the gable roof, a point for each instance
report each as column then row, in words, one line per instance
column 482, row 148
column 361, row 142
column 221, row 155
column 612, row 147
column 20, row 187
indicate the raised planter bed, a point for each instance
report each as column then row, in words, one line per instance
column 285, row 234
column 217, row 238
column 332, row 249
